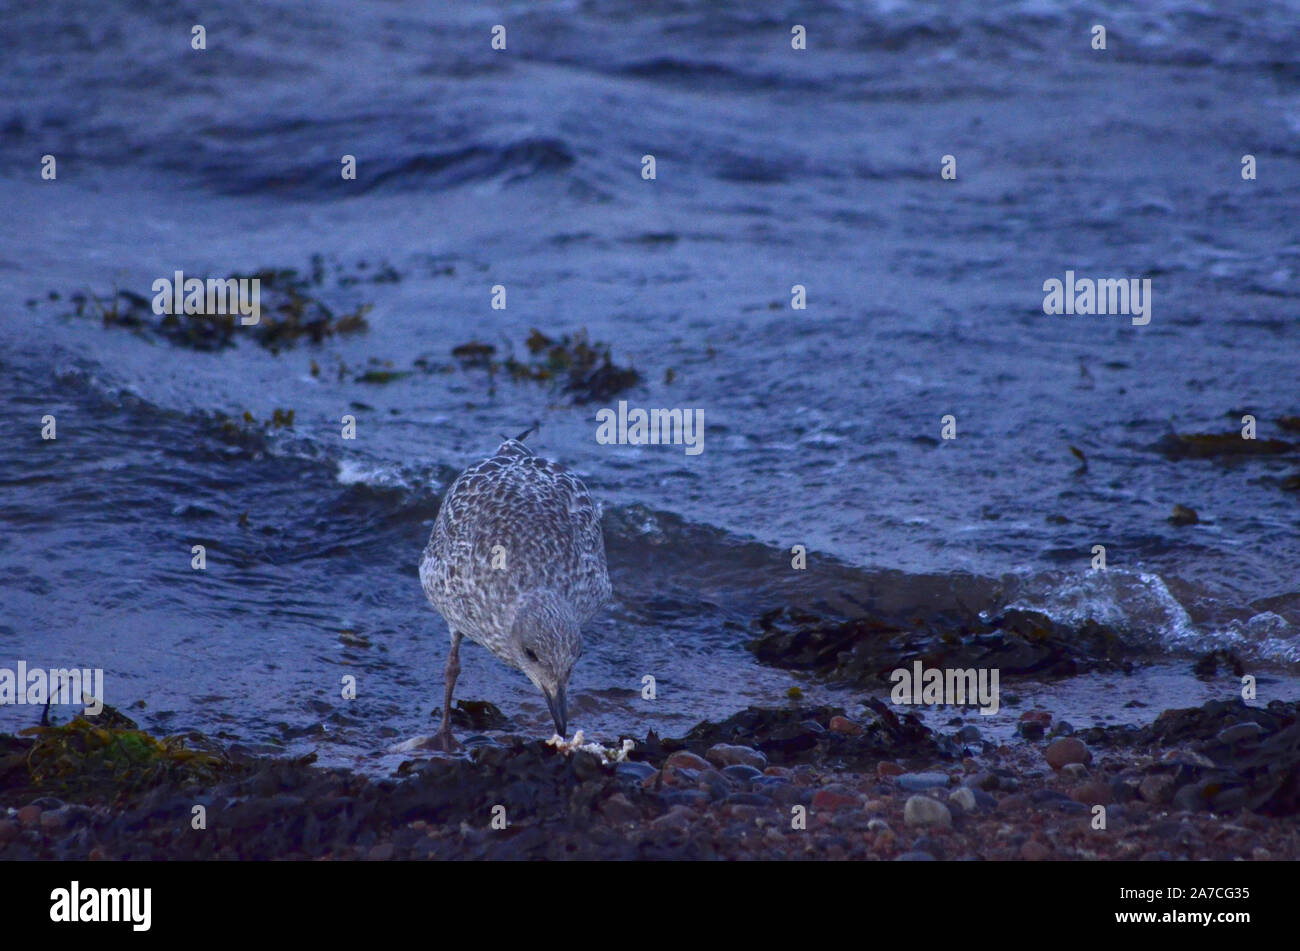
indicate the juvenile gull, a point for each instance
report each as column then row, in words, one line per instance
column 516, row 563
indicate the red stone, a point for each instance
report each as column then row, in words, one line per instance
column 832, row 801
column 845, row 725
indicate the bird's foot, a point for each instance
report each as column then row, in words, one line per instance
column 444, row 741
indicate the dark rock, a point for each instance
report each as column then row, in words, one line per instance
column 634, row 770
column 787, row 736
column 749, row 799
column 969, row 734
column 1157, row 788
column 726, row 754
column 929, row 845
column 618, row 808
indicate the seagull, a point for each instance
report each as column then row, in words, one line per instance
column 516, row 563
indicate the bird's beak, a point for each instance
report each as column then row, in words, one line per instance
column 556, row 702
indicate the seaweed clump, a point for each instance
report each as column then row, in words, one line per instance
column 580, row 367
column 289, row 311
column 1216, row 445
column 866, row 650
column 84, row 759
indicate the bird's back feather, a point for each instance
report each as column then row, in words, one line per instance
column 548, row 531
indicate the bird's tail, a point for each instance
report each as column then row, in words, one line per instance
column 525, row 434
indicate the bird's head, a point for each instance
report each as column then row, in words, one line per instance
column 545, row 643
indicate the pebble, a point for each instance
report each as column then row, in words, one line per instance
column 918, row 782
column 1191, row 797
column 885, row 769
column 684, row 759
column 715, row 784
column 685, row 797
column 52, row 820
column 749, row 799
column 878, row 825
column 381, row 852
column 8, row 830
column 1240, row 731
column 635, row 770
column 1034, row 851
column 680, row 777
column 831, row 800
column 1124, row 788
column 1031, row 729
column 1074, row 771
column 928, row 845
column 618, row 808
column 29, row 815
column 740, row 773
column 724, row 754
column 846, row 726
column 1157, row 788
column 986, row 781
column 1067, row 750
column 1190, row 758
column 678, row 817
column 924, row 811
column 1230, row 800
column 964, row 797
column 1016, row 802
column 1092, row 794
column 970, row 733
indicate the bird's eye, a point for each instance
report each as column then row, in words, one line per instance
column 530, row 655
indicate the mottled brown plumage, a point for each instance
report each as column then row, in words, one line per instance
column 516, row 563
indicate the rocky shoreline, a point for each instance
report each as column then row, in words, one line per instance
column 1221, row 781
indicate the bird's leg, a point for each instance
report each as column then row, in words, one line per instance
column 443, row 739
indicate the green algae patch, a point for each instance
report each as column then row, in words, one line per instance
column 103, row 759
